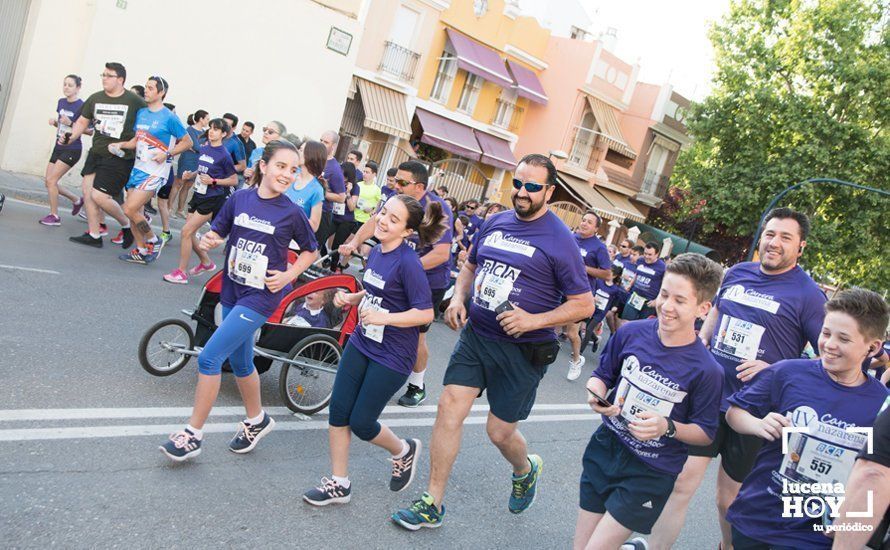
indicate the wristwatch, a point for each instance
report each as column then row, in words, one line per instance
column 213, row 181
column 671, row 429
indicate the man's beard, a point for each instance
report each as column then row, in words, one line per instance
column 527, row 212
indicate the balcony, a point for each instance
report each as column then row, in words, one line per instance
column 507, row 115
column 582, row 149
column 653, row 189
column 398, row 62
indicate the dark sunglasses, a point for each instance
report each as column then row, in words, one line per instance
column 405, row 183
column 530, row 186
column 270, row 131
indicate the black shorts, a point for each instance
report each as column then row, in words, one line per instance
column 737, row 451
column 164, row 192
column 68, row 156
column 438, row 296
column 111, row 172
column 207, row 205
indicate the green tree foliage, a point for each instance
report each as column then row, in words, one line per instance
column 801, row 90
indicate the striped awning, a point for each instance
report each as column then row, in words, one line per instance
column 385, row 109
column 622, row 204
column 589, row 196
column 608, row 123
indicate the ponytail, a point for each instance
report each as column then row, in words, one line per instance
column 198, row 115
column 429, row 224
column 190, row 120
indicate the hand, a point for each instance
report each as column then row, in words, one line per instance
column 649, row 426
column 348, row 187
column 160, row 157
column 209, row 241
column 346, row 250
column 276, row 280
column 112, row 147
column 205, row 179
column 248, row 173
column 187, row 175
column 341, row 299
column 65, row 120
column 650, row 303
column 517, row 321
column 53, row 122
column 770, row 426
column 748, row 369
column 614, row 410
column 456, row 315
column 371, row 316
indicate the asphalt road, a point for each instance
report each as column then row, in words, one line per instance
column 81, row 422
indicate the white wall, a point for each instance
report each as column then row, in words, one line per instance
column 269, row 62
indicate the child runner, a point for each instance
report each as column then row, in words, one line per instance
column 828, row 397
column 66, row 153
column 606, row 297
column 396, row 302
column 260, row 222
column 215, row 174
column 188, row 162
column 667, row 396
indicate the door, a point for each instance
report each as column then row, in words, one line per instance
column 13, row 16
column 403, row 27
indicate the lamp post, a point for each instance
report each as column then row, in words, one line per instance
column 557, row 154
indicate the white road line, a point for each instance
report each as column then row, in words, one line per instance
column 91, row 432
column 32, row 269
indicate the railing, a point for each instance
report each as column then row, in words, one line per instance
column 582, row 147
column 398, row 61
column 654, row 184
column 463, row 179
column 507, row 115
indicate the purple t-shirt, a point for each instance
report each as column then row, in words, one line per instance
column 532, row 264
column 333, row 174
column 648, row 281
column 259, row 232
column 605, row 296
column 630, row 271
column 801, row 390
column 216, row 162
column 70, row 109
column 474, row 225
column 439, row 276
column 765, row 317
column 594, row 254
column 682, row 383
column 395, row 282
column 387, row 192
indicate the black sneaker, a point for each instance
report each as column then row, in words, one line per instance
column 329, row 492
column 87, row 240
column 403, row 469
column 250, row 434
column 413, row 397
column 181, row 446
column 149, row 208
column 128, row 238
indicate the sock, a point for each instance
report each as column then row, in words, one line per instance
column 257, row 419
column 416, row 379
column 198, row 433
column 523, row 476
column 405, row 449
column 143, row 251
column 343, row 481
column 153, row 240
column 95, row 235
column 125, row 227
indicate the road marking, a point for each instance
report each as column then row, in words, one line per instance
column 92, row 432
column 32, row 269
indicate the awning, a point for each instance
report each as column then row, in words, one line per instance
column 622, row 204
column 479, row 59
column 527, row 83
column 590, row 197
column 385, row 109
column 605, row 117
column 496, row 151
column 448, row 135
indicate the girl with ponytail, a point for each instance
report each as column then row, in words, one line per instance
column 188, row 162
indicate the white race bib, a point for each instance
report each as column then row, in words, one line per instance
column 248, row 268
column 634, row 401
column 200, row 188
column 810, row 459
column 739, row 338
column 636, row 301
column 339, row 208
column 601, row 302
column 492, row 290
column 372, row 332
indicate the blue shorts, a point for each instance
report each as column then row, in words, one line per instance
column 498, row 367
column 614, row 480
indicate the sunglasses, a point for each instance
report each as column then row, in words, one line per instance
column 106, row 75
column 270, row 131
column 530, row 186
column 405, row 183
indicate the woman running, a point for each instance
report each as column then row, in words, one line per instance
column 259, row 222
column 188, row 162
column 308, row 191
column 64, row 157
column 380, row 354
column 214, row 174
column 271, row 131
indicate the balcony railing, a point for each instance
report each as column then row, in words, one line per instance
column 582, row 147
column 654, row 184
column 507, row 115
column 398, row 61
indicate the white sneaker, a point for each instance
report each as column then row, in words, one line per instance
column 575, row 368
column 638, row 543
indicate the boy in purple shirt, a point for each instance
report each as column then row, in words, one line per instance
column 649, row 270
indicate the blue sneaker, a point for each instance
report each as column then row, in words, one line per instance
column 422, row 513
column 134, row 257
column 526, row 487
column 154, row 249
column 249, row 435
column 329, row 492
column 181, row 446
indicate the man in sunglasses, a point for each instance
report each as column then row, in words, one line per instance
column 522, row 265
column 471, row 209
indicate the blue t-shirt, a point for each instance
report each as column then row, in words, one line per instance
column 70, row 109
column 801, row 390
column 440, row 276
column 605, row 296
column 682, row 383
column 765, row 317
column 333, row 175
column 307, row 197
column 155, row 132
column 189, row 157
column 394, row 282
column 532, row 264
column 255, row 156
column 235, row 148
column 594, row 254
column 259, row 232
column 216, row 162
column 648, row 278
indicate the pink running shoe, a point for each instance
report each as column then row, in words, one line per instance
column 119, row 238
column 177, row 277
column 75, row 208
column 201, row 268
column 49, row 219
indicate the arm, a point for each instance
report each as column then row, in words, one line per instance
column 769, row 427
column 456, row 314
column 276, row 280
column 240, row 166
column 866, row 477
column 707, row 329
column 365, row 232
column 315, row 217
column 412, row 318
column 518, row 321
column 225, row 182
column 124, row 144
column 80, row 126
column 436, row 257
column 334, row 197
column 598, row 273
column 183, row 145
column 652, row 426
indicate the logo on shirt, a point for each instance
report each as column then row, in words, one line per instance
column 498, row 240
column 751, row 298
column 250, row 246
column 646, row 270
column 373, row 278
column 206, row 158
column 252, row 222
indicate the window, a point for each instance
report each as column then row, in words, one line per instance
column 506, row 106
column 585, row 136
column 469, row 94
column 657, row 159
column 444, row 77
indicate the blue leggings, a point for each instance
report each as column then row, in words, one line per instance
column 232, row 340
column 362, row 389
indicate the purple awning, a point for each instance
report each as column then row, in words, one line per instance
column 527, row 83
column 479, row 59
column 446, row 134
column 495, row 151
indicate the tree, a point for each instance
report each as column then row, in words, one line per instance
column 800, row 91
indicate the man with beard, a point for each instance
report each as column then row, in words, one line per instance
column 764, row 312
column 522, row 265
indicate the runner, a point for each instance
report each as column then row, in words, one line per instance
column 113, row 114
column 271, row 131
column 260, row 223
column 598, row 268
column 247, row 128
column 828, row 398
column 666, row 397
column 335, row 192
column 516, row 276
column 64, row 156
column 164, row 196
column 156, row 129
column 354, row 158
column 307, row 191
column 647, row 280
column 215, row 174
column 469, row 209
column 369, row 194
column 389, row 188
column 344, row 224
column 380, row 354
column 608, row 294
column 764, row 312
column 188, row 162
column 235, row 148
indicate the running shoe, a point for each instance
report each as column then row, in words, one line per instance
column 87, row 240
column 75, row 208
column 119, row 238
column 526, row 487
column 51, row 220
column 421, row 513
column 636, row 543
column 575, row 368
column 127, row 239
column 403, row 469
column 166, row 236
column 329, row 492
column 413, row 397
column 177, row 277
column 150, row 209
column 201, row 268
column 82, row 214
column 154, row 250
column 181, row 446
column 249, row 435
column 134, row 257
column 103, row 230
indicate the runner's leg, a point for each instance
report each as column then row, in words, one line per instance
column 585, row 525
column 572, row 331
column 454, row 406
column 182, row 198
column 189, row 240
column 670, row 522
column 608, row 534
column 510, row 442
column 105, row 203
column 133, row 208
column 727, row 490
column 54, row 173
